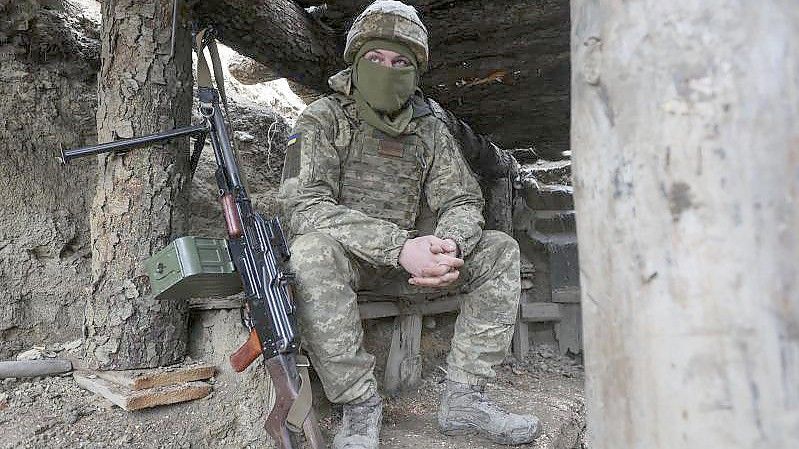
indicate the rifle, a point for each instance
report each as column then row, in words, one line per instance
column 258, row 249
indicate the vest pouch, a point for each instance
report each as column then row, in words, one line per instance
column 382, row 176
column 192, row 267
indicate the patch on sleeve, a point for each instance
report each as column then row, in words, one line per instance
column 293, row 140
column 291, row 165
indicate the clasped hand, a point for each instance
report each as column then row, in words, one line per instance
column 431, row 261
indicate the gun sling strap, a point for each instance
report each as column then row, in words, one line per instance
column 302, row 405
column 206, row 38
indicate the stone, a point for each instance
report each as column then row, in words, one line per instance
column 30, row 354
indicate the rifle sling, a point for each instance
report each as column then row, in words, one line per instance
column 206, row 38
column 203, row 72
column 302, row 405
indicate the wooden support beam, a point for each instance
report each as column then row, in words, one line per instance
column 370, row 309
column 277, row 33
column 404, row 363
column 521, row 338
column 568, row 331
column 149, row 333
column 539, row 312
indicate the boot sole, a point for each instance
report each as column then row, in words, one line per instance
column 471, row 431
column 460, row 432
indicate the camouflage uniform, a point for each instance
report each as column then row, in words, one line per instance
column 351, row 198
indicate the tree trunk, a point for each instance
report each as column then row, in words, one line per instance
column 140, row 201
column 686, row 154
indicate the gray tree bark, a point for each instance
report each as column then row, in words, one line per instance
column 686, row 156
column 139, row 206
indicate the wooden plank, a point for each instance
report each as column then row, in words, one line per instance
column 157, row 377
column 214, row 303
column 539, row 312
column 521, row 338
column 381, row 309
column 570, row 294
column 404, row 362
column 33, row 368
column 371, row 307
column 138, row 399
column 568, row 330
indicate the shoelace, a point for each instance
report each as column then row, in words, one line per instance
column 483, row 400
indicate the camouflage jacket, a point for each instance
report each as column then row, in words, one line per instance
column 312, row 177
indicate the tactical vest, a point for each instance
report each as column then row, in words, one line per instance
column 383, row 176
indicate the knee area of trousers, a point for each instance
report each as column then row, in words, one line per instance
column 314, row 248
column 501, row 243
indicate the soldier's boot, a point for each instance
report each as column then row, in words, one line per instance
column 465, row 410
column 360, row 425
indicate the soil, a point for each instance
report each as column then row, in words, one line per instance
column 55, row 412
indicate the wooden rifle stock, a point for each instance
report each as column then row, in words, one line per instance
column 282, row 371
column 247, row 353
column 285, row 394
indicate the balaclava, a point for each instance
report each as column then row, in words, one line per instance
column 381, row 92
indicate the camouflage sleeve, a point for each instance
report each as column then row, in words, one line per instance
column 454, row 194
column 309, row 200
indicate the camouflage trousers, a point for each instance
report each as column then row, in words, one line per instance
column 329, row 278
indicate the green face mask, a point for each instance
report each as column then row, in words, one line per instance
column 385, row 89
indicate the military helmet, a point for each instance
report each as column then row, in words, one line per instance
column 391, row 20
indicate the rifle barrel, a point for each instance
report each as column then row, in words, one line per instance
column 133, row 142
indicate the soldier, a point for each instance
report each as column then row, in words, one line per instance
column 380, row 199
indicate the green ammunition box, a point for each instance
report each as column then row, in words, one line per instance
column 193, row 267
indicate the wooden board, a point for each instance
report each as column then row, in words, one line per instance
column 539, row 312
column 568, row 330
column 381, row 309
column 157, row 377
column 404, row 363
column 370, row 307
column 568, row 294
column 214, row 303
column 131, row 400
column 521, row 338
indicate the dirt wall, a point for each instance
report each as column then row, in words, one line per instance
column 47, row 79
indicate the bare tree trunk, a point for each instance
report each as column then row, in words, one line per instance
column 277, row 33
column 686, row 156
column 140, row 201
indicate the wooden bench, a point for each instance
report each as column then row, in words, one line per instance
column 403, row 365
